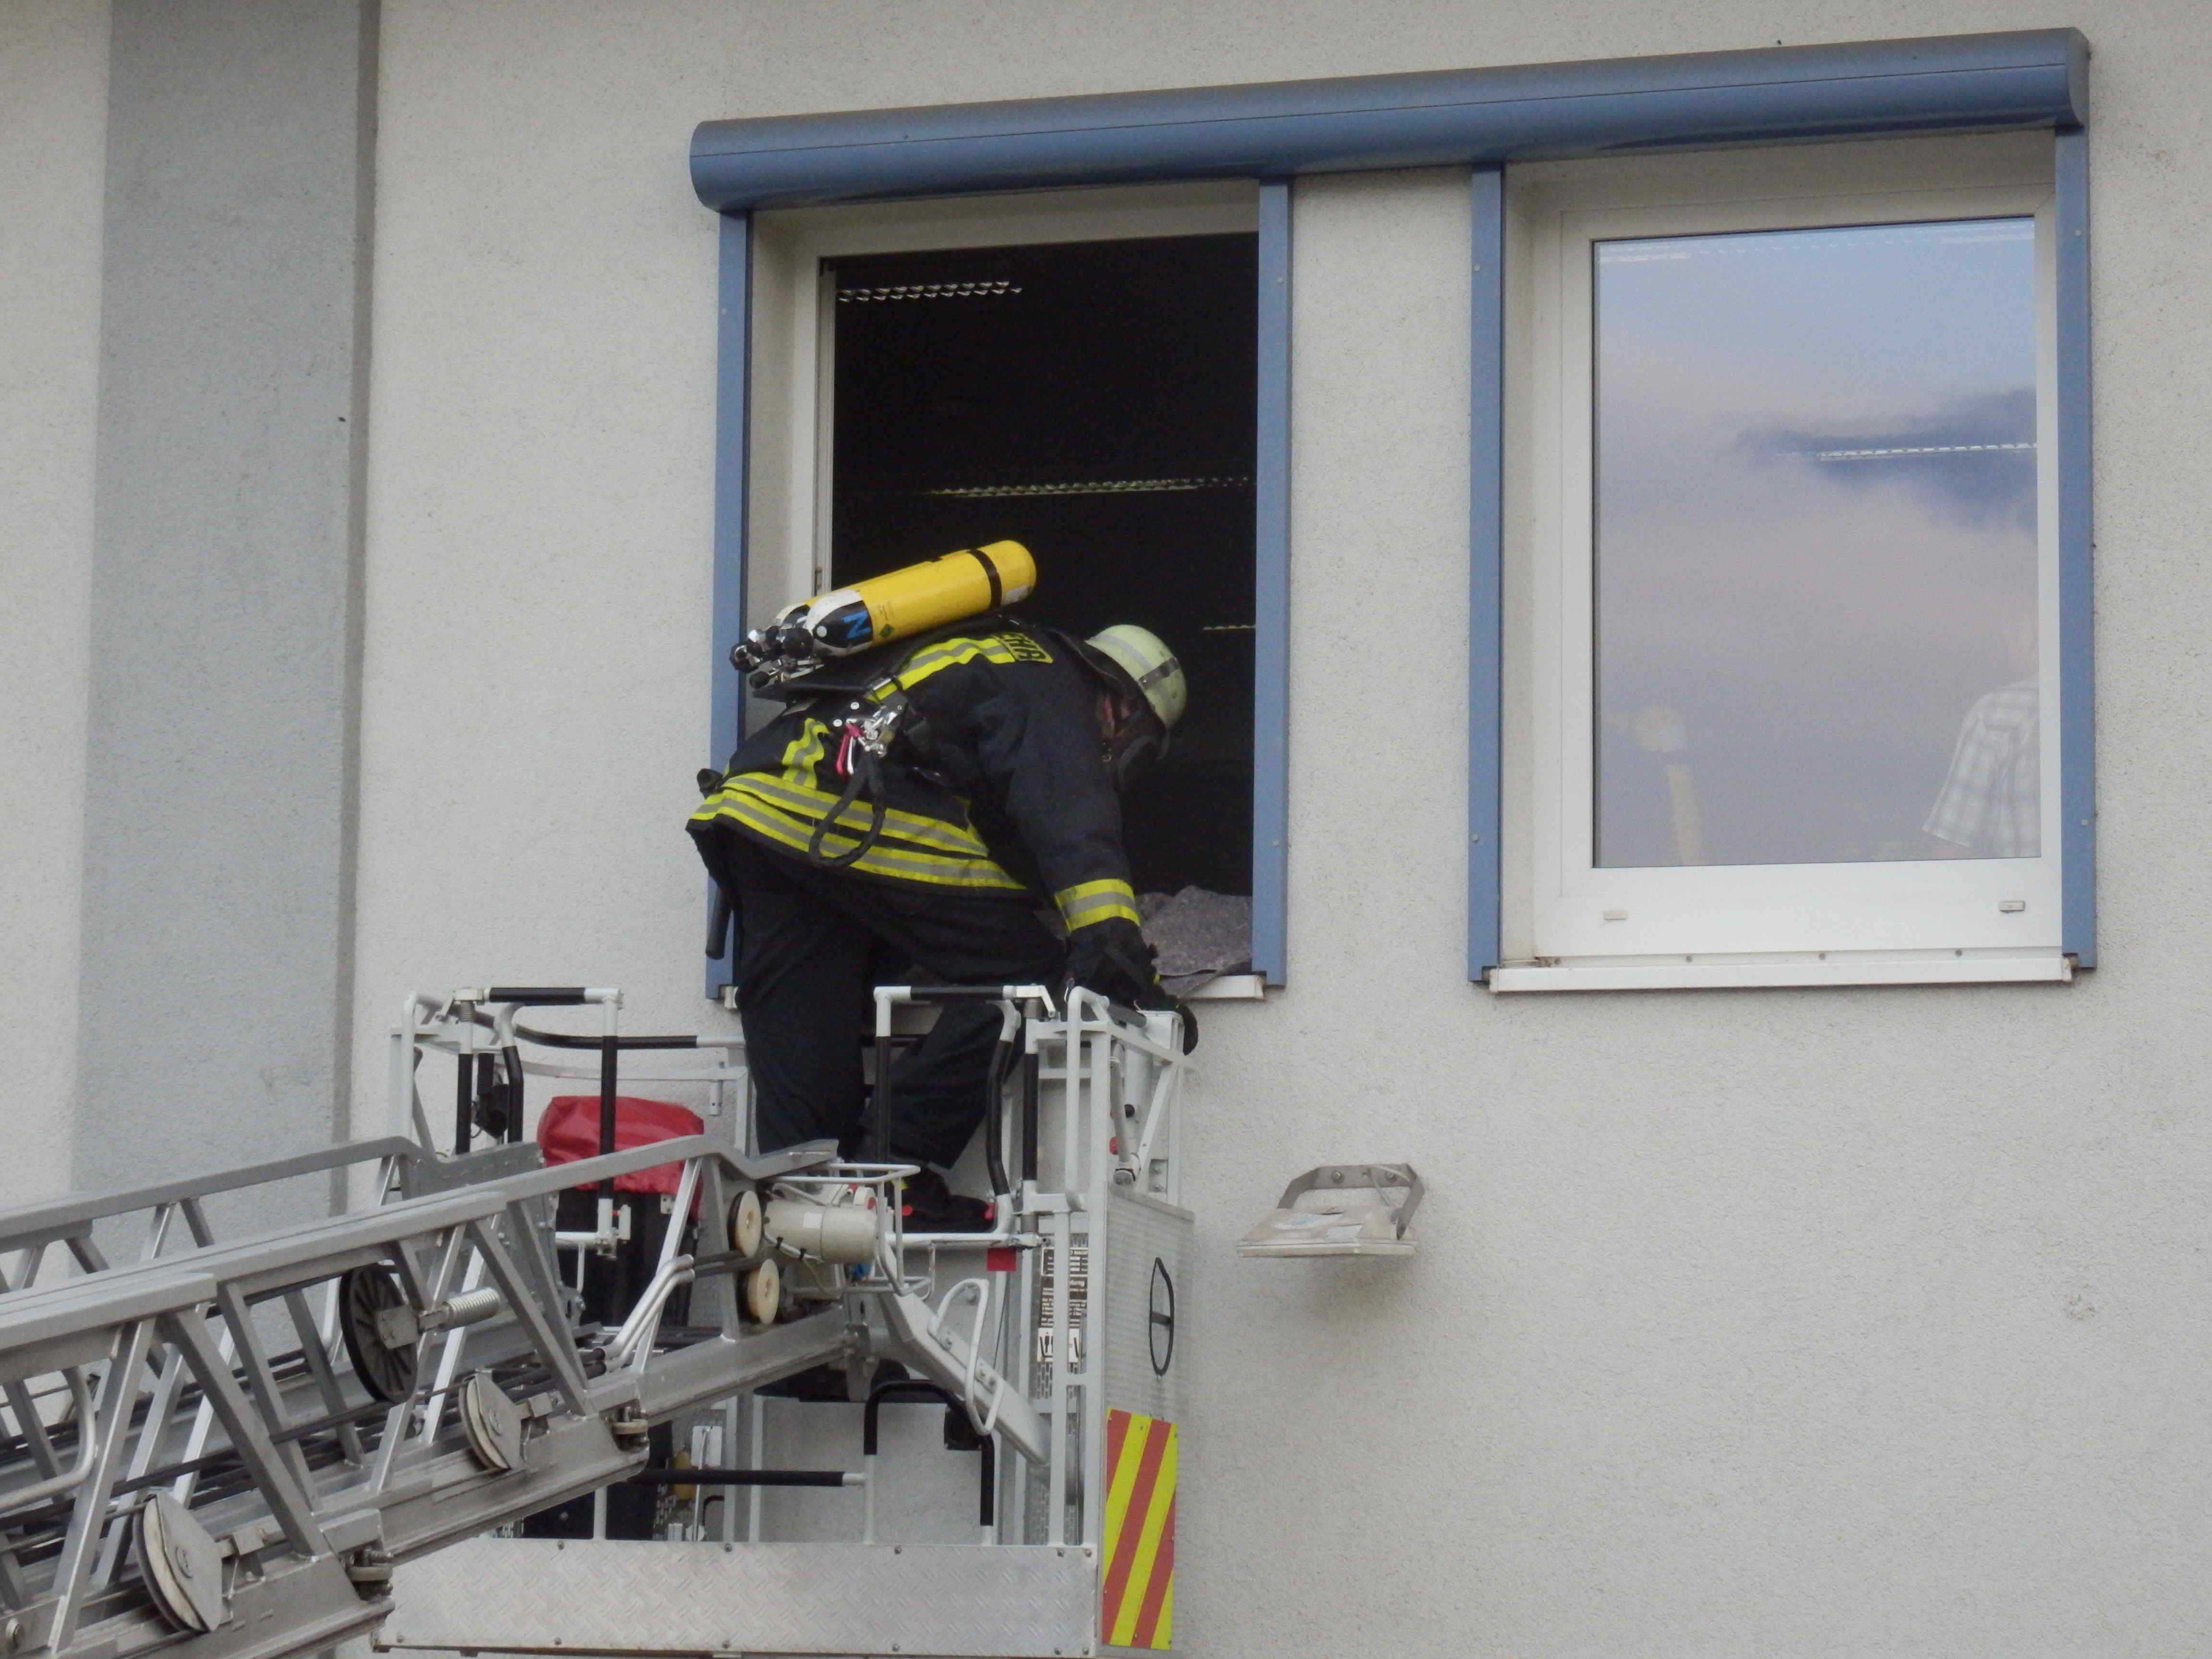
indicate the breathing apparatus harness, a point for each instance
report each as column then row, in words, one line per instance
column 863, row 744
column 813, row 647
column 876, row 717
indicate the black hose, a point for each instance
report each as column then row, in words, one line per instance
column 995, row 1151
column 915, row 1389
column 717, row 925
column 568, row 1040
column 734, row 1477
column 609, row 1048
column 864, row 774
column 1029, row 1117
column 961, row 992
column 572, row 1039
column 464, row 1101
column 510, row 1062
column 490, row 1096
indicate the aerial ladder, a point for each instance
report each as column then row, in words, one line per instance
column 254, row 1445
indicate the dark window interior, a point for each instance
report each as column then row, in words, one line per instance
column 1095, row 402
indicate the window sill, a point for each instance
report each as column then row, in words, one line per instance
column 1839, row 967
column 1230, row 987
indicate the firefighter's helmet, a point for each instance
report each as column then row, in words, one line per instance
column 1144, row 657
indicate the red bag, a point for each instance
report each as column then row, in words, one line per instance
column 570, row 1130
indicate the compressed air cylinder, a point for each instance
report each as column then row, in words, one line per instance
column 921, row 596
column 827, row 1232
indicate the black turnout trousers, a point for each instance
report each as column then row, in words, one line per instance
column 815, row 944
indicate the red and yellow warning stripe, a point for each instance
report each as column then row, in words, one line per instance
column 1137, row 1598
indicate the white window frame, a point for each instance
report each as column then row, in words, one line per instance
column 794, row 337
column 1578, row 925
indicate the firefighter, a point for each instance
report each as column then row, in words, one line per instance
column 908, row 819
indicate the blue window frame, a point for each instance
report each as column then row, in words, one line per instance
column 1482, row 119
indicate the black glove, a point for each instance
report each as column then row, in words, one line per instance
column 1111, row 958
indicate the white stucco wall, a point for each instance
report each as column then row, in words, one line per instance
column 53, row 126
column 1828, row 1323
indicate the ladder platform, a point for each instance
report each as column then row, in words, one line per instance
column 257, row 1445
column 545, row 1595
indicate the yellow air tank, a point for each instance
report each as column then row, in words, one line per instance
column 904, row 602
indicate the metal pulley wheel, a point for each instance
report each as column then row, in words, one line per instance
column 764, row 1292
column 363, row 1293
column 745, row 1223
column 182, row 1565
column 492, row 1424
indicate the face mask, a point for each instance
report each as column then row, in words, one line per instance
column 1139, row 745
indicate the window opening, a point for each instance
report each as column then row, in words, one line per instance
column 1095, row 401
column 1816, row 545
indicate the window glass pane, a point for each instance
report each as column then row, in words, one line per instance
column 1816, row 545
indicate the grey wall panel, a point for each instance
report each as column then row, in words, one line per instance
column 225, row 588
column 53, row 119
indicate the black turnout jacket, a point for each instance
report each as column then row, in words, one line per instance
column 995, row 785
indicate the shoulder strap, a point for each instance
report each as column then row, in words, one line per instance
column 850, row 676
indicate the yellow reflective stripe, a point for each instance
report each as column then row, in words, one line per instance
column 923, row 664
column 803, row 752
column 739, row 805
column 1089, row 901
column 948, row 654
column 805, row 801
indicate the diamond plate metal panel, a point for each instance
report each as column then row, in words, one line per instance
column 1146, row 1295
column 545, row 1595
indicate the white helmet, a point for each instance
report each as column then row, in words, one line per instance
column 1144, row 656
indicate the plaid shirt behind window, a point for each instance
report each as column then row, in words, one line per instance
column 1992, row 803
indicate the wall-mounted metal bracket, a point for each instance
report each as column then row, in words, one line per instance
column 1341, row 1209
